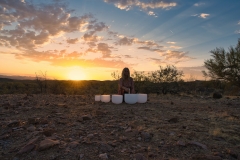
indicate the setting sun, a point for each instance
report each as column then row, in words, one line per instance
column 58, row 36
column 76, row 74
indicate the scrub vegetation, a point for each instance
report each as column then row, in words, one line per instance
column 223, row 72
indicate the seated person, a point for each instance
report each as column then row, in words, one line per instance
column 125, row 84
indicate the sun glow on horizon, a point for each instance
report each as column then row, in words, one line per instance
column 76, row 74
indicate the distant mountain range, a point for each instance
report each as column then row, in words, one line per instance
column 18, row 77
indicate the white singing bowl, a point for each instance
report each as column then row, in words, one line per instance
column 117, row 99
column 105, row 98
column 142, row 98
column 130, row 98
column 97, row 97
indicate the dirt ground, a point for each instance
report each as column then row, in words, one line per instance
column 167, row 127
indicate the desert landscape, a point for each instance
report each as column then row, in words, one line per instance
column 57, row 55
column 166, row 127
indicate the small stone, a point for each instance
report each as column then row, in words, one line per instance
column 139, row 138
column 113, row 144
column 172, row 133
column 99, row 112
column 173, row 120
column 47, row 143
column 5, row 136
column 48, row 132
column 140, row 156
column 34, row 140
column 217, row 95
column 105, row 147
column 13, row 123
column 181, row 143
column 103, row 156
column 17, row 129
column 128, row 129
column 80, row 119
column 90, row 136
column 151, row 154
column 73, row 144
column 31, row 128
column 205, row 157
column 86, row 117
column 218, row 154
column 26, row 148
column 233, row 152
column 198, row 144
column 29, row 146
column 145, row 118
column 43, row 121
column 146, row 136
column 81, row 156
column 123, row 139
column 62, row 105
column 40, row 129
column 33, row 120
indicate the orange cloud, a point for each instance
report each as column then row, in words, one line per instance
column 72, row 41
column 62, row 58
column 35, row 26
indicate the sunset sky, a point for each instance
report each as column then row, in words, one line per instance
column 90, row 39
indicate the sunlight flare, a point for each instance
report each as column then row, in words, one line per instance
column 76, row 73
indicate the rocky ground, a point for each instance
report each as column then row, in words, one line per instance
column 167, row 127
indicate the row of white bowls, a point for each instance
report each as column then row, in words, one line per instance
column 117, row 99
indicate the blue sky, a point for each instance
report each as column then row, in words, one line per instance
column 93, row 38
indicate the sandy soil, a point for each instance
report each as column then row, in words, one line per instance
column 167, row 127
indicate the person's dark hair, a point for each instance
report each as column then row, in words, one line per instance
column 123, row 73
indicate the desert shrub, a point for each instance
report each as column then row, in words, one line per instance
column 167, row 74
column 225, row 65
column 56, row 87
column 116, row 75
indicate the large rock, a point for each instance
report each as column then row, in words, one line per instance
column 29, row 146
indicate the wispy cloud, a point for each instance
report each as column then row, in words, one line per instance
column 201, row 15
column 175, row 47
column 204, row 15
column 199, row 4
column 194, row 15
column 127, row 56
column 151, row 13
column 171, row 42
column 156, row 60
column 151, row 49
column 142, row 5
column 176, row 56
